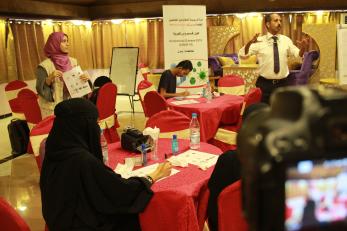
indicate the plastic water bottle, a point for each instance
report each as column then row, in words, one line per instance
column 174, row 145
column 208, row 92
column 194, row 128
column 104, row 147
column 204, row 92
column 144, row 154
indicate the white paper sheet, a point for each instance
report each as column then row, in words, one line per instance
column 203, row 160
column 182, row 102
column 193, row 97
column 76, row 86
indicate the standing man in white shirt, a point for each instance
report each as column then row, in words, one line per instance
column 272, row 52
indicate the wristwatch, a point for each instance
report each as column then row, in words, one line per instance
column 150, row 179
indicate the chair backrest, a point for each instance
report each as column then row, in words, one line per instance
column 28, row 101
column 230, row 216
column 253, row 96
column 10, row 219
column 11, row 92
column 170, row 122
column 309, row 57
column 154, row 103
column 231, row 84
column 142, row 89
column 106, row 104
column 301, row 77
column 106, row 101
column 306, row 67
column 42, row 153
column 40, row 132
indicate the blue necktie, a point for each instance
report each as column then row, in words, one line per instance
column 276, row 57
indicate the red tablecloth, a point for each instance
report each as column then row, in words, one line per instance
column 179, row 201
column 223, row 109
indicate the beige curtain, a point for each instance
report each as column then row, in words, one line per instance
column 3, row 54
column 105, row 36
column 136, row 36
column 8, row 66
column 28, row 41
column 155, row 44
column 80, row 44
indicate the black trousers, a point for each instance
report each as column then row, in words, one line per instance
column 267, row 86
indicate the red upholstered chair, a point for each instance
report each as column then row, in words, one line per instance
column 31, row 109
column 154, row 103
column 232, row 85
column 30, row 106
column 11, row 91
column 9, row 218
column 170, row 122
column 230, row 216
column 142, row 89
column 225, row 137
column 42, row 153
column 39, row 133
column 106, row 104
column 253, row 96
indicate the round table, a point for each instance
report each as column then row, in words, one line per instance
column 224, row 109
column 179, row 201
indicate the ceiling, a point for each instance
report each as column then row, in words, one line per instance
column 106, row 9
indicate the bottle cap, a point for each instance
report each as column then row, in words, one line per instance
column 194, row 115
column 174, row 136
column 143, row 147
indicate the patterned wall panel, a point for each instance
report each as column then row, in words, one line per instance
column 218, row 38
column 325, row 37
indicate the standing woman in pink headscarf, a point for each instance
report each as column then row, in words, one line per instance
column 49, row 82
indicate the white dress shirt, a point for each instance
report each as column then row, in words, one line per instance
column 265, row 54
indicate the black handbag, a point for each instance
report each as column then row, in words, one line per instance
column 132, row 139
column 18, row 132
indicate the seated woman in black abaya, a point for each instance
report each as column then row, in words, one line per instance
column 78, row 191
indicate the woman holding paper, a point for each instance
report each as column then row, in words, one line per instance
column 78, row 191
column 49, row 83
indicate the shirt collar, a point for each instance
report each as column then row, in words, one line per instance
column 269, row 36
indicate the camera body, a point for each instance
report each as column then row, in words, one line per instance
column 283, row 151
column 132, row 139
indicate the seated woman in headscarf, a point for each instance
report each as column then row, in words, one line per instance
column 78, row 191
column 98, row 83
column 49, row 82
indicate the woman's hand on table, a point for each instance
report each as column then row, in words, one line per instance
column 163, row 170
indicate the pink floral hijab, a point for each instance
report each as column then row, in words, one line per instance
column 52, row 50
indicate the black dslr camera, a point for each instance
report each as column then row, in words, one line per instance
column 294, row 162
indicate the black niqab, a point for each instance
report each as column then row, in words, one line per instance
column 78, row 191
